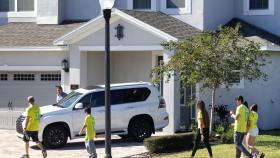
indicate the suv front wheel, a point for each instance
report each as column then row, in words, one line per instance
column 55, row 137
column 140, row 128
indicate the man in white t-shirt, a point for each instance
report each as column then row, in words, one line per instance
column 60, row 94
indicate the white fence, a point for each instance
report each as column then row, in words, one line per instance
column 8, row 119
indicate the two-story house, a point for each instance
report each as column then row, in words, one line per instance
column 37, row 37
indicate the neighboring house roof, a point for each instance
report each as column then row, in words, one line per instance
column 165, row 23
column 31, row 34
column 255, row 33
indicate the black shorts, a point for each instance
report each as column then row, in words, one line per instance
column 30, row 134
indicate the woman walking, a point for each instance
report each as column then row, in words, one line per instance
column 253, row 130
column 202, row 133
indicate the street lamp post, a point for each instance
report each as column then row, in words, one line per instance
column 106, row 6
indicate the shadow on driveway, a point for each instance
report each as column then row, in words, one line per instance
column 100, row 143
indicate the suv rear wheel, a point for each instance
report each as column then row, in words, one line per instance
column 140, row 128
column 55, row 137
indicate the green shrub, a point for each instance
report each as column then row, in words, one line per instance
column 219, row 129
column 194, row 126
column 163, row 144
column 227, row 137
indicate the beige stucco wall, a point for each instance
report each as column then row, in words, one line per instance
column 125, row 67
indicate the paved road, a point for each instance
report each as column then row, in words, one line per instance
column 13, row 147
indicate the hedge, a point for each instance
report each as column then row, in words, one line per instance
column 164, row 144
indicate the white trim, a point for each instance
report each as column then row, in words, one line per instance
column 18, row 14
column 153, row 5
column 39, row 49
column 29, row 68
column 122, row 48
column 186, row 10
column 47, row 20
column 98, row 23
column 269, row 11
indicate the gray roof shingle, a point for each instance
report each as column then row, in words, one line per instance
column 165, row 23
column 31, row 34
column 249, row 30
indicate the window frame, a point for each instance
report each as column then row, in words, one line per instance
column 239, row 85
column 4, row 77
column 20, row 14
column 248, row 11
column 186, row 10
column 153, row 5
column 24, row 77
column 45, row 77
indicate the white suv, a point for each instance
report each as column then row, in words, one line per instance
column 137, row 110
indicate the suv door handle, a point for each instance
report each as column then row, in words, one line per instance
column 130, row 107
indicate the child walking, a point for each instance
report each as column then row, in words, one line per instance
column 203, row 129
column 89, row 124
column 31, row 127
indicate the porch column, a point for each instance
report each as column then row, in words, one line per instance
column 78, row 68
column 171, row 95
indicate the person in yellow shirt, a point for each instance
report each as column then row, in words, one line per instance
column 253, row 130
column 31, row 127
column 202, row 129
column 89, row 125
column 240, row 126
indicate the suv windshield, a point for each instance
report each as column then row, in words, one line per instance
column 69, row 99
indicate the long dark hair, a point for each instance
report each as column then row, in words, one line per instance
column 205, row 117
column 254, row 107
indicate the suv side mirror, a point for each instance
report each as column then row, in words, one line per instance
column 79, row 106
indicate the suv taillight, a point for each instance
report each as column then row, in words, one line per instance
column 162, row 103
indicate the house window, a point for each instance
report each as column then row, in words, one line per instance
column 50, row 77
column 258, row 7
column 24, row 77
column 25, row 5
column 16, row 5
column 236, row 80
column 258, row 4
column 3, row 77
column 7, row 5
column 175, row 4
column 141, row 4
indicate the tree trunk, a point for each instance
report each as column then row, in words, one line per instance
column 212, row 109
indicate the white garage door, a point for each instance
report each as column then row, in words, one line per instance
column 15, row 87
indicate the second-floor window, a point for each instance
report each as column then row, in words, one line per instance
column 16, row 5
column 258, row 4
column 259, row 7
column 141, row 4
column 175, row 4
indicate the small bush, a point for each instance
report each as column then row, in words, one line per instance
column 194, row 126
column 227, row 137
column 163, row 144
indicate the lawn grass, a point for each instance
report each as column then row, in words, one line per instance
column 268, row 142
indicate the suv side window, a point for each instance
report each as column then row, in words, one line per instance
column 86, row 100
column 98, row 99
column 136, row 95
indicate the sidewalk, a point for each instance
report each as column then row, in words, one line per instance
column 13, row 147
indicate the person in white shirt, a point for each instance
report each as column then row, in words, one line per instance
column 60, row 94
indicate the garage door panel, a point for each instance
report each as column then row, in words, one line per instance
column 17, row 91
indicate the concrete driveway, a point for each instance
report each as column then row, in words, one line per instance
column 13, row 147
